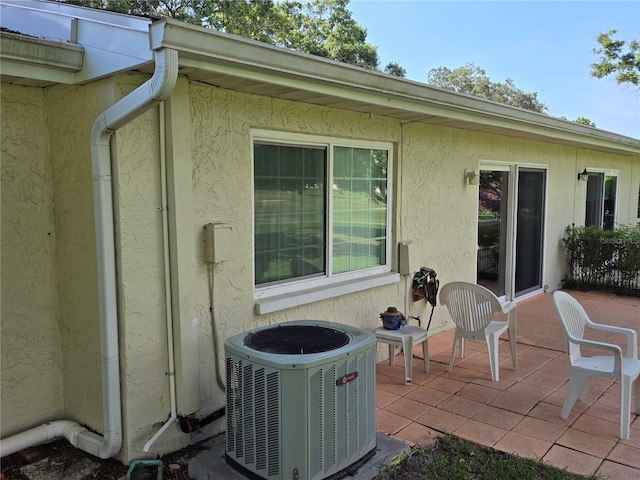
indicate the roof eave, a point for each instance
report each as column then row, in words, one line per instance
column 233, row 55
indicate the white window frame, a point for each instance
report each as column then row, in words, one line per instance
column 296, row 292
column 607, row 173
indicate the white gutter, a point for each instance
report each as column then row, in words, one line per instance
column 156, row 89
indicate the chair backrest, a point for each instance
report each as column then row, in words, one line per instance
column 573, row 320
column 471, row 306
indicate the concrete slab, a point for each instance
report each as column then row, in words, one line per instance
column 58, row 468
column 210, row 464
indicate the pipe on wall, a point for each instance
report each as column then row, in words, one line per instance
column 150, row 93
column 173, row 417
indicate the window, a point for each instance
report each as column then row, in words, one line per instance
column 600, row 209
column 321, row 211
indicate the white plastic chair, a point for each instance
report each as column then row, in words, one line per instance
column 625, row 368
column 472, row 308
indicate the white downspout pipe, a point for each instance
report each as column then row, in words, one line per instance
column 156, row 89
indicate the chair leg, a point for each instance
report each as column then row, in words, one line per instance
column 453, row 351
column 492, row 344
column 625, row 406
column 425, row 354
column 636, row 388
column 575, row 389
column 513, row 327
column 407, row 345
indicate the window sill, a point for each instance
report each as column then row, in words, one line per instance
column 282, row 302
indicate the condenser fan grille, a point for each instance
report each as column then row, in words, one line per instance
column 296, row 339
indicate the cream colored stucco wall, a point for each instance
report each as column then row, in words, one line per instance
column 72, row 111
column 432, row 206
column 139, row 261
column 30, row 337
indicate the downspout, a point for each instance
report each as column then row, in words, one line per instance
column 155, row 90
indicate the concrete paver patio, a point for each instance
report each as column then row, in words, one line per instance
column 521, row 412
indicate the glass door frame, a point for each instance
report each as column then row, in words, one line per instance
column 512, row 224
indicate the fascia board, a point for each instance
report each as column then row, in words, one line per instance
column 218, row 52
column 36, row 51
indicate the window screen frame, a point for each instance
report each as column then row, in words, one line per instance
column 327, row 278
column 604, row 174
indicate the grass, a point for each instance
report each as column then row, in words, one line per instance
column 453, row 458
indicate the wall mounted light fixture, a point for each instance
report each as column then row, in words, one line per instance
column 584, row 176
column 472, row 177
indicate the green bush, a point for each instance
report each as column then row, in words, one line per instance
column 603, row 258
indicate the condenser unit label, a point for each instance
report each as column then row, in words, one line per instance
column 346, row 378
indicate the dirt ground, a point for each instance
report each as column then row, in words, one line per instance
column 175, row 465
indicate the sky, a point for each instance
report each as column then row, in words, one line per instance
column 544, row 46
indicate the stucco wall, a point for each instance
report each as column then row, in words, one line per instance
column 30, row 339
column 432, row 206
column 72, row 111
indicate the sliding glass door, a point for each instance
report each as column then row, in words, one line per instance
column 511, row 229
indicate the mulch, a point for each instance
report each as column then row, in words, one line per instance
column 64, row 456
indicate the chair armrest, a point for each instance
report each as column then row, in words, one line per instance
column 632, row 336
column 615, row 349
column 507, row 306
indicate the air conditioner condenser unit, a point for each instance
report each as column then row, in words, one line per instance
column 300, row 400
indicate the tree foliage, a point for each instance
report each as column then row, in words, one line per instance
column 613, row 60
column 394, row 68
column 319, row 27
column 581, row 120
column 474, row 81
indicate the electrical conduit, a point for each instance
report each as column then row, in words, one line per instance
column 155, row 90
column 167, row 285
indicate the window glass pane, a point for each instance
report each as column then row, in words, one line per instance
column 359, row 209
column 610, row 187
column 265, row 162
column 593, row 207
column 290, row 212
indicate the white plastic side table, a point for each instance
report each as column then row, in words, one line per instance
column 405, row 337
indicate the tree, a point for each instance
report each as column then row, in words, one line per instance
column 474, row 81
column 394, row 68
column 581, row 121
column 325, row 28
column 626, row 65
column 585, row 121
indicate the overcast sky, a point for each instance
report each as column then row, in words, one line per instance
column 543, row 46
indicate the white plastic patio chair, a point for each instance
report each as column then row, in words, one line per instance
column 625, row 368
column 472, row 308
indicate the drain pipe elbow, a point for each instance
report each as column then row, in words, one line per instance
column 42, row 433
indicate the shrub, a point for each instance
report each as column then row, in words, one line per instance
column 608, row 259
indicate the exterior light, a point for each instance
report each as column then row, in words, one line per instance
column 472, row 177
column 584, row 176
